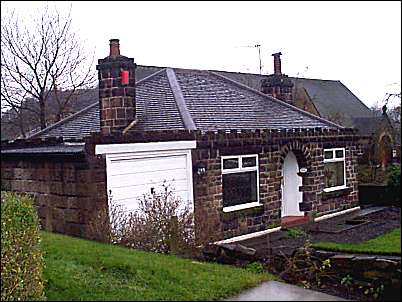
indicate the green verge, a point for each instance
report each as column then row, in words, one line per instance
column 388, row 243
column 78, row 269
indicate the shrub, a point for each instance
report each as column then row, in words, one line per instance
column 394, row 182
column 162, row 224
column 21, row 257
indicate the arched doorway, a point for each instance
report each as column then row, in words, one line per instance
column 291, row 196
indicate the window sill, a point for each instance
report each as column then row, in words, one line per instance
column 334, row 189
column 338, row 192
column 241, row 207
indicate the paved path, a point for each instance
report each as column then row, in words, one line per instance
column 279, row 291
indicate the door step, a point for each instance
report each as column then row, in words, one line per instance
column 290, row 221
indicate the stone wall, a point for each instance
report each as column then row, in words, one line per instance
column 272, row 148
column 67, row 190
column 366, row 270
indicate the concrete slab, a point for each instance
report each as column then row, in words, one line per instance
column 279, row 291
column 370, row 210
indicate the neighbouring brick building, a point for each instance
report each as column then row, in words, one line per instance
column 243, row 160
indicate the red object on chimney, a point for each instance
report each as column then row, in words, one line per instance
column 124, row 77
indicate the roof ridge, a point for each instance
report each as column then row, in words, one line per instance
column 63, row 120
column 276, row 100
column 180, row 101
column 313, row 79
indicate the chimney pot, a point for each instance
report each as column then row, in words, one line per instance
column 114, row 48
column 277, row 63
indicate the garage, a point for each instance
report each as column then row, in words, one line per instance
column 140, row 168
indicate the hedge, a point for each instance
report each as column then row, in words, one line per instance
column 21, row 258
column 394, row 182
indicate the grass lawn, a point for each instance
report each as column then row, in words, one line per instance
column 78, row 269
column 389, row 243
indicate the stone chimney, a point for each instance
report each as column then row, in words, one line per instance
column 278, row 85
column 116, row 98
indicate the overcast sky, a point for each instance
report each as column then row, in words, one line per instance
column 358, row 43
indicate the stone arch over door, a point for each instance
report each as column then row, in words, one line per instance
column 303, row 157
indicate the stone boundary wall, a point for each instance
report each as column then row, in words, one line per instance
column 365, row 269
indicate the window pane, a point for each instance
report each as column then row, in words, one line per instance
column 339, row 153
column 328, row 154
column 249, row 162
column 239, row 188
column 231, row 163
column 333, row 174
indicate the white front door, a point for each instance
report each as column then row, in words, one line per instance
column 291, row 197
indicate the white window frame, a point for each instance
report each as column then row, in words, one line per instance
column 240, row 169
column 333, row 160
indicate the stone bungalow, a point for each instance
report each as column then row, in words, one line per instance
column 242, row 159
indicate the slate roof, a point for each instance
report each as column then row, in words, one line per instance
column 78, row 125
column 374, row 124
column 367, row 125
column 156, row 105
column 212, row 101
column 330, row 97
column 216, row 102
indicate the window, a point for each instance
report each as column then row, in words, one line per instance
column 334, row 169
column 240, row 182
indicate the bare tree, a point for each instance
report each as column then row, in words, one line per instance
column 390, row 104
column 40, row 61
column 393, row 100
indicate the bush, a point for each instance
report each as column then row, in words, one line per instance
column 394, row 182
column 161, row 224
column 21, row 257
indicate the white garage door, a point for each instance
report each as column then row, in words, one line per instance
column 137, row 169
column 130, row 178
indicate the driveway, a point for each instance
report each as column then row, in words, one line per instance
column 279, row 291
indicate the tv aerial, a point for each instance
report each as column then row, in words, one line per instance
column 258, row 46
